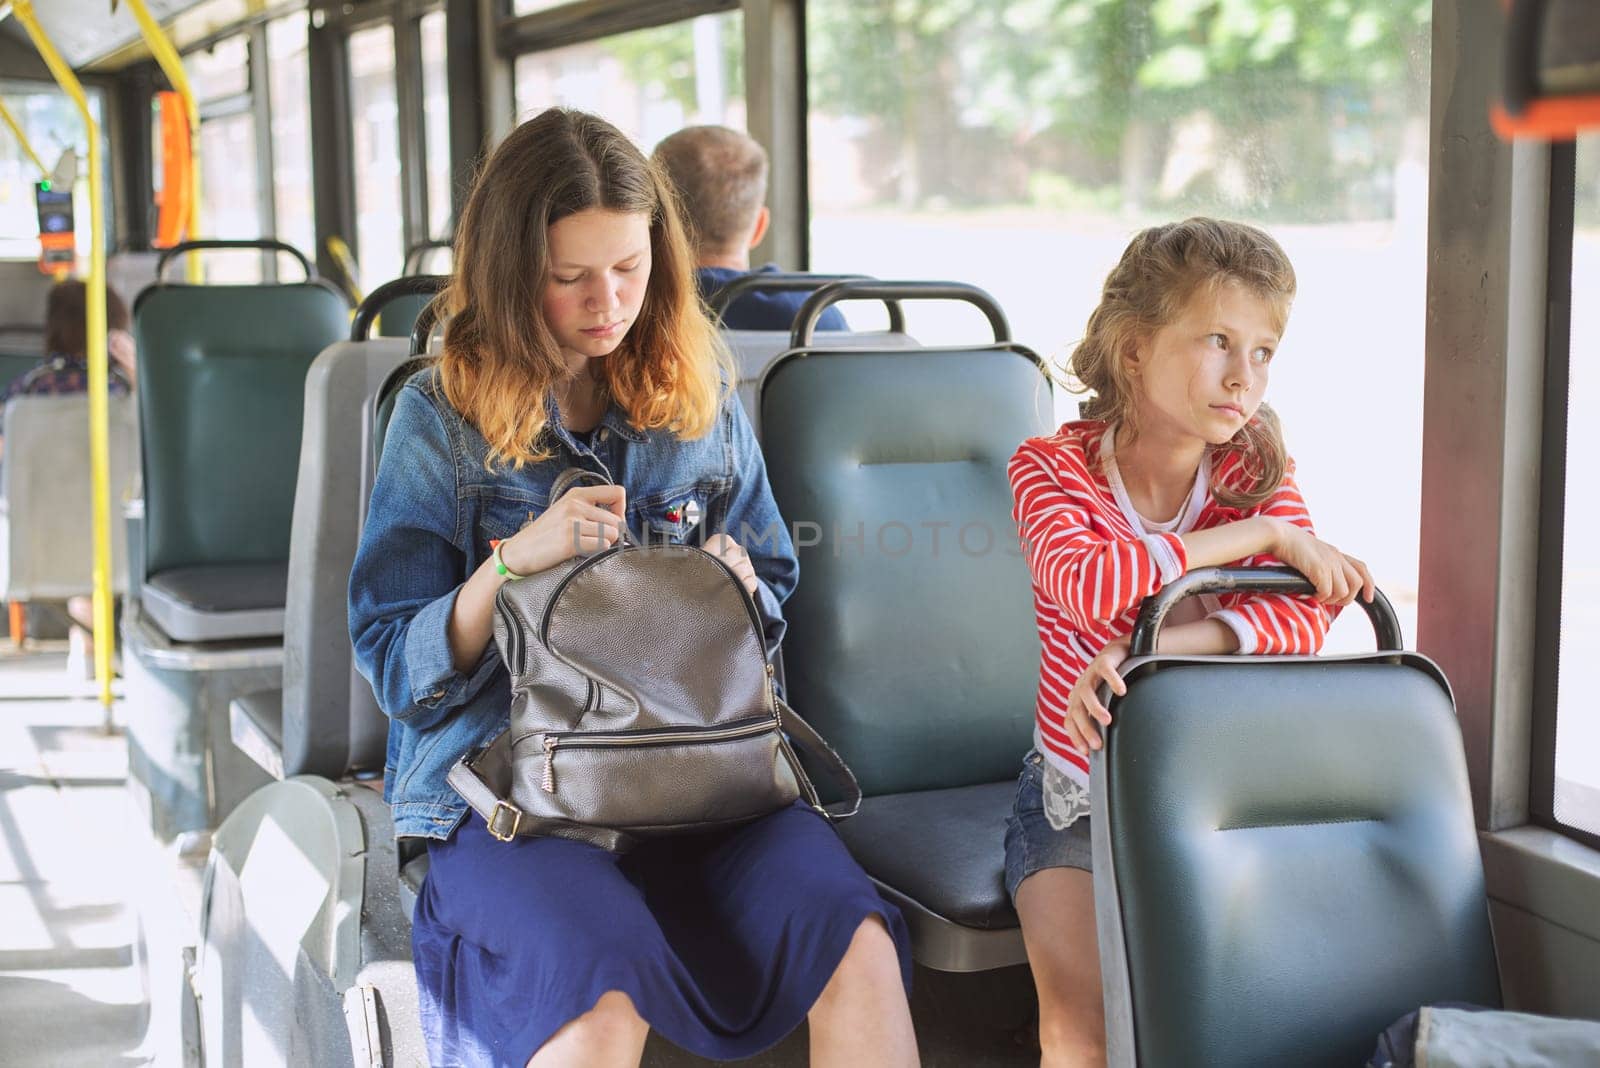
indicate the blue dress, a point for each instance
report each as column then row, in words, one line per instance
column 723, row 941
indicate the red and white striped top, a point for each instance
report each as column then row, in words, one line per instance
column 1093, row 560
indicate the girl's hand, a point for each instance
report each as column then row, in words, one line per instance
column 584, row 520
column 1084, row 709
column 732, row 553
column 1338, row 578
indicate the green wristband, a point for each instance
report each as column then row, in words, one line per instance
column 501, row 568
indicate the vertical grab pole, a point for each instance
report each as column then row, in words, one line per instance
column 167, row 57
column 99, row 433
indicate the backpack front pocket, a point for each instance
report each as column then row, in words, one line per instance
column 587, row 776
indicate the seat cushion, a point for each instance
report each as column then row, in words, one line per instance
column 944, row 849
column 218, row 602
column 255, row 723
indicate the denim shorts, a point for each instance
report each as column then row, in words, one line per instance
column 1031, row 843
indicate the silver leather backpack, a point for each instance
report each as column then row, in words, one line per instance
column 642, row 703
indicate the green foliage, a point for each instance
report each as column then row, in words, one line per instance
column 662, row 59
column 1071, row 78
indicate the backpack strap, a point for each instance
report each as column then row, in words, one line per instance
column 805, row 737
column 483, row 778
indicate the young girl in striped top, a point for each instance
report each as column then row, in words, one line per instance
column 1177, row 464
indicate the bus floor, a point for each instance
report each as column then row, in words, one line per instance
column 90, row 925
column 72, row 990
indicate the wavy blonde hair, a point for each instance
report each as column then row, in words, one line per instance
column 1162, row 269
column 500, row 358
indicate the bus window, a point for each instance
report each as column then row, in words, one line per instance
column 51, row 123
column 230, row 199
column 229, row 202
column 221, row 71
column 374, row 117
column 1020, row 147
column 1576, row 800
column 291, row 131
column 436, row 123
column 648, row 82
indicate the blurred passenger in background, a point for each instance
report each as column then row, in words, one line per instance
column 64, row 370
column 721, row 178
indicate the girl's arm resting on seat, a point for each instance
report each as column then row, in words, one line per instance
column 1276, row 623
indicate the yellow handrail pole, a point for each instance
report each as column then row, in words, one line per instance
column 99, row 433
column 22, row 138
column 172, row 66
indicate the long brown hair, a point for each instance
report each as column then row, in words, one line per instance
column 1161, row 270
column 500, row 358
column 65, row 332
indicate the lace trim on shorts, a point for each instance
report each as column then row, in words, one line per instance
column 1064, row 800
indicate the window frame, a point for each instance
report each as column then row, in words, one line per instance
column 1552, row 496
column 255, row 101
column 774, row 85
column 590, row 20
column 404, row 18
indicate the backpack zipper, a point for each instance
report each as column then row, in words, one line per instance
column 653, row 736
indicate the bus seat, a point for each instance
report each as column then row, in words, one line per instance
column 1285, row 859
column 325, row 720
column 871, row 454
column 755, row 350
column 401, row 314
column 255, row 725
column 45, row 495
column 221, row 377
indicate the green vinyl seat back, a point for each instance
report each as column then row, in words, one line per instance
column 21, row 349
column 13, row 365
column 400, row 315
column 911, row 643
column 395, row 306
column 222, row 373
column 916, row 658
column 1285, row 860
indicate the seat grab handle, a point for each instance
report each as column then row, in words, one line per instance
column 1153, row 611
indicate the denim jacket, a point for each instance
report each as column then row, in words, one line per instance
column 435, row 507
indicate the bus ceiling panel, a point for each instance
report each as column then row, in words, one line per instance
column 91, row 37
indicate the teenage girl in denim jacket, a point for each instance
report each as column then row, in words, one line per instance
column 576, row 339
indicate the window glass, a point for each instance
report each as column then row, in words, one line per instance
column 528, row 7
column 229, row 202
column 1577, row 779
column 648, row 82
column 1020, row 146
column 374, row 116
column 436, row 124
column 290, row 85
column 50, row 121
column 221, row 71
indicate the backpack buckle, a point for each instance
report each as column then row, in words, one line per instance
column 493, row 821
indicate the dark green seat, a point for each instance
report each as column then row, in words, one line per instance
column 1284, row 856
column 919, row 663
column 400, row 315
column 13, row 365
column 221, row 388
